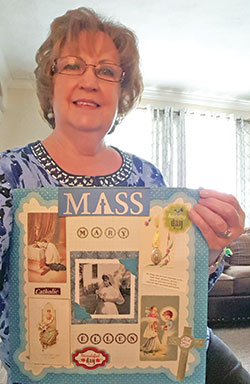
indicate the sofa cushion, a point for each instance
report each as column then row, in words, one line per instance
column 241, row 249
column 241, row 275
column 239, row 271
column 223, row 287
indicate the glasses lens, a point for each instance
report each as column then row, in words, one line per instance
column 108, row 72
column 70, row 65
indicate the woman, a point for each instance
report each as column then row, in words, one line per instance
column 108, row 296
column 88, row 79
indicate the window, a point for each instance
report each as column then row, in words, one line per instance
column 133, row 135
column 211, row 152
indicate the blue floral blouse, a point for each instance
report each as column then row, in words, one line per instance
column 32, row 167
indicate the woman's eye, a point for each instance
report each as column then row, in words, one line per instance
column 106, row 71
column 71, row 67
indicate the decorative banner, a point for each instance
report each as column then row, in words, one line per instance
column 107, row 284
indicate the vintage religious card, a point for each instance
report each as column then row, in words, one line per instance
column 108, row 285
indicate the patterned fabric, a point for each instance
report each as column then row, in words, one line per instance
column 115, row 179
column 214, row 276
column 32, row 167
column 169, row 144
column 243, row 165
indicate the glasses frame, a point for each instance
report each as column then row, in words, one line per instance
column 54, row 69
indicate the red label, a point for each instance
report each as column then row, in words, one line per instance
column 90, row 358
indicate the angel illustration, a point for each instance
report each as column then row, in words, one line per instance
column 152, row 343
column 168, row 316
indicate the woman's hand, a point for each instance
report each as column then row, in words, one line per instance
column 219, row 217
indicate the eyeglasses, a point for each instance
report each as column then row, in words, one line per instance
column 75, row 66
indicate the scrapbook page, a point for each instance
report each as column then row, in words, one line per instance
column 107, row 285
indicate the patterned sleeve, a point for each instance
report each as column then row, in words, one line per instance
column 147, row 174
column 215, row 276
column 158, row 177
column 6, row 220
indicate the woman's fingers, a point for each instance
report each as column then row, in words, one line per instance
column 219, row 217
column 227, row 206
column 200, row 218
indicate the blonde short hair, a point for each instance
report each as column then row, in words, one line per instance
column 67, row 28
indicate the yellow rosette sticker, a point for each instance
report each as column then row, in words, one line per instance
column 176, row 218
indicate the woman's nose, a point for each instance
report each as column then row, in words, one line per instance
column 88, row 80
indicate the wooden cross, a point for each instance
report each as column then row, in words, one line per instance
column 185, row 342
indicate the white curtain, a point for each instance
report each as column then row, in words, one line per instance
column 168, row 144
column 243, row 165
column 203, row 150
column 211, row 151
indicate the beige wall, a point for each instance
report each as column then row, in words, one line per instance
column 21, row 122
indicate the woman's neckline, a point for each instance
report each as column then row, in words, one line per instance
column 63, row 177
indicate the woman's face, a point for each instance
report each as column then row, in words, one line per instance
column 85, row 102
column 106, row 282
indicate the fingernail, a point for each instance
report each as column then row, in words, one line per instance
column 204, row 192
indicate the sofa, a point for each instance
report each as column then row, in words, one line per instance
column 229, row 299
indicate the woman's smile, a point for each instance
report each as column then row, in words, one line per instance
column 86, row 103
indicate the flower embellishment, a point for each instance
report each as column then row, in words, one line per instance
column 166, row 257
column 147, row 222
